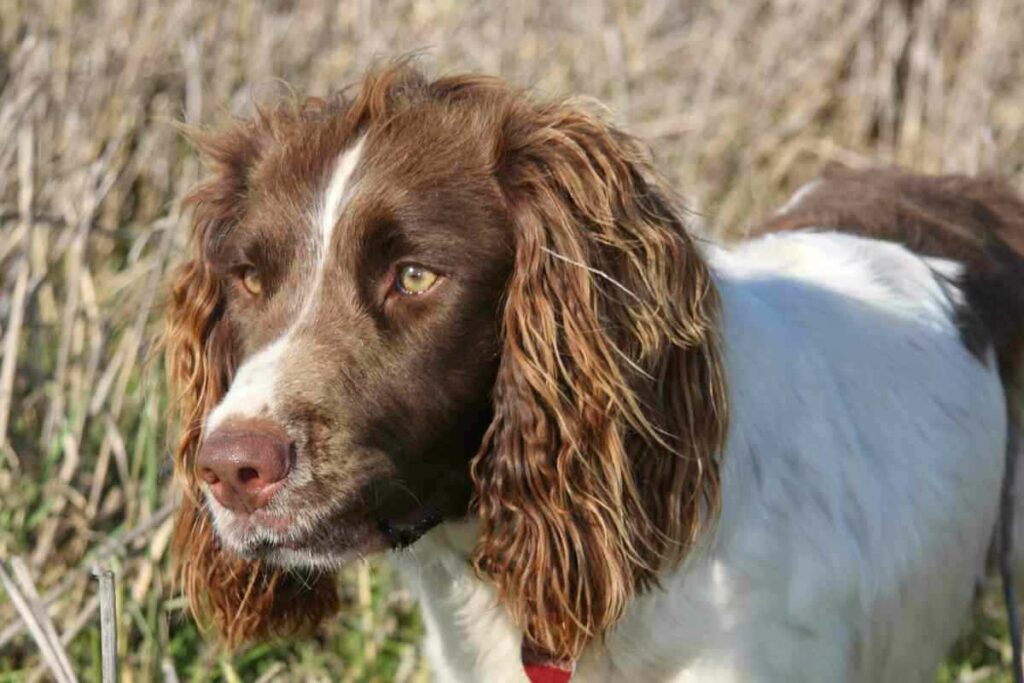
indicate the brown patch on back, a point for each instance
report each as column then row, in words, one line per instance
column 977, row 221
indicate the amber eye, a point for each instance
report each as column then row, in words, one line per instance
column 415, row 280
column 251, row 281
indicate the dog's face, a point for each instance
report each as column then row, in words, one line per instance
column 425, row 297
column 361, row 285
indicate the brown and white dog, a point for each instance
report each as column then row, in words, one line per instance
column 444, row 315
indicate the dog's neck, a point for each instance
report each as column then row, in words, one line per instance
column 467, row 630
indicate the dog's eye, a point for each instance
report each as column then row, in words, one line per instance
column 250, row 278
column 415, row 280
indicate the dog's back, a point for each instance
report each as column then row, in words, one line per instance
column 977, row 222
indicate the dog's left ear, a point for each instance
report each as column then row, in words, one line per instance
column 610, row 409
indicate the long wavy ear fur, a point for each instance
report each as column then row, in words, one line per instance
column 610, row 407
column 246, row 600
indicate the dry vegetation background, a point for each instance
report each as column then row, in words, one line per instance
column 741, row 101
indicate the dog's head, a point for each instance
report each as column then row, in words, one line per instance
column 427, row 300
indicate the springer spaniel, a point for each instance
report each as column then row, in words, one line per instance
column 444, row 315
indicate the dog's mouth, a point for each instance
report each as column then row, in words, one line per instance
column 322, row 540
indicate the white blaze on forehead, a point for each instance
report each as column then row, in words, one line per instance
column 251, row 393
column 336, row 192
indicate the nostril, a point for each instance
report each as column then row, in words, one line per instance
column 247, row 474
column 209, row 476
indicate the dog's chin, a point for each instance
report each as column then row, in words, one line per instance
column 305, row 558
column 323, row 542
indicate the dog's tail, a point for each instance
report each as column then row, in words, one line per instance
column 978, row 222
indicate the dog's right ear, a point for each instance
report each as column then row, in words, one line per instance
column 601, row 464
column 246, row 599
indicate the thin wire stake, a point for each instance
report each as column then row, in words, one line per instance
column 108, row 624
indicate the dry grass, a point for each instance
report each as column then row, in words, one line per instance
column 742, row 100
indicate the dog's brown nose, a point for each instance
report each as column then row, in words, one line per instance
column 245, row 462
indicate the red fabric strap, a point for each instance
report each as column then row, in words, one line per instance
column 547, row 673
column 541, row 667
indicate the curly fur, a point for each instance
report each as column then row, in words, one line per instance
column 600, row 464
column 247, row 600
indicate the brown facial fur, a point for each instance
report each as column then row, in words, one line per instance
column 565, row 375
column 978, row 222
